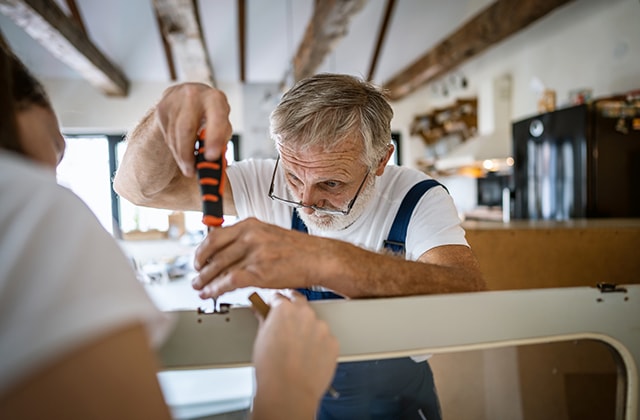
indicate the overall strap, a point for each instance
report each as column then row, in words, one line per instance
column 395, row 242
column 297, row 223
column 397, row 234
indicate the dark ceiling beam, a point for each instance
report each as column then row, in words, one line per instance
column 242, row 38
column 61, row 35
column 180, row 25
column 166, row 47
column 494, row 24
column 75, row 14
column 328, row 25
column 382, row 35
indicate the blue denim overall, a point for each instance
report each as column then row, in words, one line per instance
column 388, row 388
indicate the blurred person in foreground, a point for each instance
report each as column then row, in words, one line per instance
column 77, row 329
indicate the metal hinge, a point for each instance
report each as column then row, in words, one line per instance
column 610, row 288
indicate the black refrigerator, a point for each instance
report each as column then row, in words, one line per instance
column 582, row 161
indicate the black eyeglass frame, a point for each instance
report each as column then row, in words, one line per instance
column 298, row 204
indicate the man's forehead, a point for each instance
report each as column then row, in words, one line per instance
column 326, row 165
column 348, row 146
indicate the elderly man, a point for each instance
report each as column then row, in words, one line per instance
column 327, row 217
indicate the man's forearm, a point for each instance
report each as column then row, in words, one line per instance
column 360, row 273
column 149, row 175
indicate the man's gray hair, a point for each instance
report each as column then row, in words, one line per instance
column 326, row 109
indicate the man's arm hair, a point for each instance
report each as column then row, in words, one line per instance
column 148, row 174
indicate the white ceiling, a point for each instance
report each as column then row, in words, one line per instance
column 126, row 31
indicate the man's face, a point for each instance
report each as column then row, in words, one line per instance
column 40, row 135
column 328, row 179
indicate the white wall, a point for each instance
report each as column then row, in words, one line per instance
column 587, row 43
column 259, row 101
column 81, row 108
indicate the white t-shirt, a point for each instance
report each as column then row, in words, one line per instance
column 434, row 222
column 64, row 281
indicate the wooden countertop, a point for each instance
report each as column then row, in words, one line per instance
column 552, row 224
column 525, row 254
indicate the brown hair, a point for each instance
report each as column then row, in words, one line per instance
column 19, row 89
column 8, row 127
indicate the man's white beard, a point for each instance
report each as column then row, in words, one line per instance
column 332, row 222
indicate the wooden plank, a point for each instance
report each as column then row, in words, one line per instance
column 180, row 24
column 63, row 37
column 494, row 24
column 328, row 25
column 242, row 39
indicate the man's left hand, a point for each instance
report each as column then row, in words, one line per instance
column 251, row 253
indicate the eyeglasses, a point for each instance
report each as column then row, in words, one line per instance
column 298, row 204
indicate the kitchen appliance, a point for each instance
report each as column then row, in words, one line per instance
column 490, row 189
column 582, row 161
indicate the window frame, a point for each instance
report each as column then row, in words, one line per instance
column 112, row 143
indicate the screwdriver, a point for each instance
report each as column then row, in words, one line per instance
column 211, row 180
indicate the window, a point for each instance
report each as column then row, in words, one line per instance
column 396, row 157
column 87, row 169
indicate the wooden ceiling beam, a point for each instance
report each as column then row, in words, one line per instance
column 494, row 24
column 180, row 25
column 166, row 47
column 242, row 38
column 75, row 14
column 61, row 35
column 328, row 25
column 382, row 35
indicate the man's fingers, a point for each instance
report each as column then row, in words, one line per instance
column 183, row 112
column 218, row 127
column 186, row 131
column 278, row 298
column 291, row 295
column 222, row 284
column 212, row 258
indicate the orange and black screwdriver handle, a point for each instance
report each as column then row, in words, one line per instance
column 211, row 180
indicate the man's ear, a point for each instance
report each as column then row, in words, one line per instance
column 383, row 161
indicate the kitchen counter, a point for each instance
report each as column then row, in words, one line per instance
column 524, row 254
column 553, row 224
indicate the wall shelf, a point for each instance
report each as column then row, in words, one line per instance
column 460, row 118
